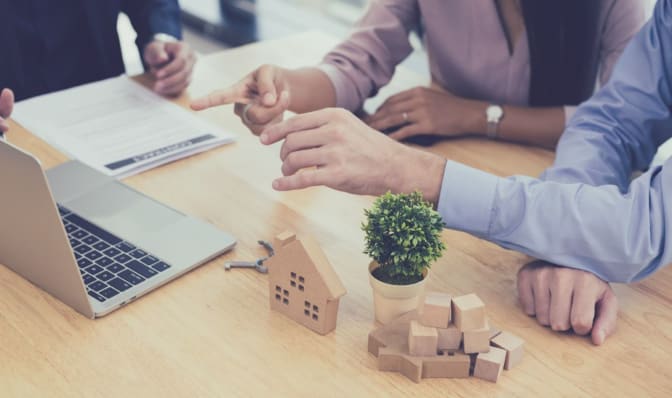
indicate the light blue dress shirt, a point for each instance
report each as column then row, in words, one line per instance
column 585, row 211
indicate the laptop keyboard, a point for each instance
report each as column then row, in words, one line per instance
column 109, row 265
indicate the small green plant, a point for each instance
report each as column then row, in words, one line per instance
column 403, row 234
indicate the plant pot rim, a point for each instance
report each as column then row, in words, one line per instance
column 374, row 264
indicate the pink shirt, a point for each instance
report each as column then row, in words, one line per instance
column 468, row 51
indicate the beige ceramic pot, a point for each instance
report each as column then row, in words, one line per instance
column 392, row 301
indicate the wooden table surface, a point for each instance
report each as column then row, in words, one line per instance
column 211, row 333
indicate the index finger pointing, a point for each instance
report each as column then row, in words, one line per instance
column 306, row 121
column 220, row 97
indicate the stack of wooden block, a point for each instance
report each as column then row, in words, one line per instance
column 450, row 338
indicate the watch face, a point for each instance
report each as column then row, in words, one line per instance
column 494, row 112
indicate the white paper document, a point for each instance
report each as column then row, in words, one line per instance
column 117, row 126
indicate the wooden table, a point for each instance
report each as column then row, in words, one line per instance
column 211, row 333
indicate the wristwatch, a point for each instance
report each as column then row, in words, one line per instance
column 494, row 114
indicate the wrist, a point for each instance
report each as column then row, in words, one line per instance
column 418, row 170
column 475, row 119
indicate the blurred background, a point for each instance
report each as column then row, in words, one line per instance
column 214, row 25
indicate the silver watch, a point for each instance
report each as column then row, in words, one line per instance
column 493, row 114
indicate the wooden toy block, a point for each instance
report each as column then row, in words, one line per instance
column 302, row 283
column 450, row 338
column 468, row 312
column 514, row 347
column 395, row 333
column 411, row 368
column 477, row 340
column 389, row 359
column 436, row 310
column 489, row 364
column 422, row 340
column 450, row 366
column 396, row 359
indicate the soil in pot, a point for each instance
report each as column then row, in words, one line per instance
column 395, row 280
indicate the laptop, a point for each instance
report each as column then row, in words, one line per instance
column 91, row 241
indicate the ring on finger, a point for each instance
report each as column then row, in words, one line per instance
column 405, row 116
column 244, row 114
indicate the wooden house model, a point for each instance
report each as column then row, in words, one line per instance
column 302, row 283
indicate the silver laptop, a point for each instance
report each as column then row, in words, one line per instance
column 91, row 241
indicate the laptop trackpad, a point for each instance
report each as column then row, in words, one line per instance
column 124, row 212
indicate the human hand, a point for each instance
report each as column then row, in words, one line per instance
column 428, row 111
column 6, row 107
column 565, row 298
column 332, row 147
column 171, row 64
column 261, row 98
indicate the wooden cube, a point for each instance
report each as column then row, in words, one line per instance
column 450, row 366
column 436, row 310
column 514, row 347
column 450, row 338
column 468, row 312
column 477, row 340
column 422, row 340
column 489, row 364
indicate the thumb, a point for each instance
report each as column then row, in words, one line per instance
column 606, row 317
column 156, row 54
column 265, row 79
column 6, row 103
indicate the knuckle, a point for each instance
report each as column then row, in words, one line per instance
column 559, row 326
column 581, row 324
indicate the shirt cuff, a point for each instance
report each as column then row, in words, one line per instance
column 466, row 198
column 345, row 98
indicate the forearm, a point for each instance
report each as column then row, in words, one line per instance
column 533, row 126
column 310, row 90
column 619, row 237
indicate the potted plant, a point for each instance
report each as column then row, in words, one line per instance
column 403, row 238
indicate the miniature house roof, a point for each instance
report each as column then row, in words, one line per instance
column 324, row 268
column 315, row 254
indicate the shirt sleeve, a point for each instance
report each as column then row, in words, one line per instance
column 366, row 61
column 150, row 17
column 587, row 214
column 620, row 238
column 619, row 129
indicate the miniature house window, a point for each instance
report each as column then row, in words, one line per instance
column 285, row 301
column 293, row 274
column 277, row 297
column 292, row 283
column 315, row 317
column 301, row 280
column 301, row 287
column 307, row 304
column 306, row 312
column 285, row 292
column 315, row 308
column 278, row 288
